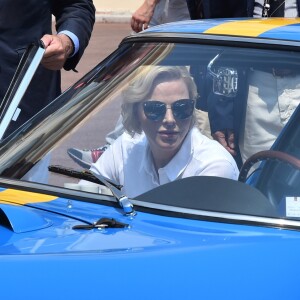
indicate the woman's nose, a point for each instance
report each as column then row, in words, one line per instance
column 169, row 117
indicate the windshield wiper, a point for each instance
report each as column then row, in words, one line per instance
column 122, row 199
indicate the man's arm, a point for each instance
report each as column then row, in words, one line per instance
column 220, row 112
column 76, row 17
column 141, row 17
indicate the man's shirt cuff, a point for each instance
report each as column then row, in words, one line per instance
column 74, row 40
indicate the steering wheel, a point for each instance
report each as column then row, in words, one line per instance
column 267, row 155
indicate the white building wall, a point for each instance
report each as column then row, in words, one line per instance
column 117, row 6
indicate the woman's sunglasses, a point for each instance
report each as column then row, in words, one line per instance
column 156, row 110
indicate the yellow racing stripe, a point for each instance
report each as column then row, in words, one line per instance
column 20, row 197
column 249, row 28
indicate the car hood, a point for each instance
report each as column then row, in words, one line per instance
column 159, row 255
column 46, row 225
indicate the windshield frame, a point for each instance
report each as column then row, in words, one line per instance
column 146, row 206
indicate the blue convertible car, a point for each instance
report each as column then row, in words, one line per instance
column 197, row 195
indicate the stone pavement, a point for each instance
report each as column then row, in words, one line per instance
column 111, row 26
column 105, row 38
column 113, row 17
column 115, row 11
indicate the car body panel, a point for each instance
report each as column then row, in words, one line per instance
column 184, row 242
column 151, row 257
column 276, row 28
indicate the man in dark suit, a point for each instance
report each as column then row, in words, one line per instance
column 204, row 9
column 22, row 23
column 200, row 9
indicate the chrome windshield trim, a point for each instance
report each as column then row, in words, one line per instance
column 167, row 36
column 219, row 215
column 80, row 196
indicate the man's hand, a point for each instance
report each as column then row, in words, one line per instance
column 142, row 16
column 226, row 139
column 58, row 49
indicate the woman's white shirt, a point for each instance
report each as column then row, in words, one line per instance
column 128, row 161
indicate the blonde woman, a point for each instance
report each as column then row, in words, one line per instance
column 161, row 143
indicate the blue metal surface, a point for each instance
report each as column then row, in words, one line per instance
column 157, row 257
column 285, row 29
column 22, row 219
column 289, row 32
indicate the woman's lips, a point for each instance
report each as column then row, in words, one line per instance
column 168, row 134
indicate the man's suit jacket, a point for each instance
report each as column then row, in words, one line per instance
column 200, row 9
column 23, row 22
column 205, row 9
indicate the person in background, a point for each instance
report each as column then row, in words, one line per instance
column 206, row 9
column 161, row 143
column 156, row 12
column 275, row 84
column 24, row 23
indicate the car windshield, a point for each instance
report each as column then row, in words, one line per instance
column 157, row 113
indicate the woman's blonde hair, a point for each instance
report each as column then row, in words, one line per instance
column 141, row 88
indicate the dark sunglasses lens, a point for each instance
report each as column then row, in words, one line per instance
column 154, row 110
column 183, row 109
